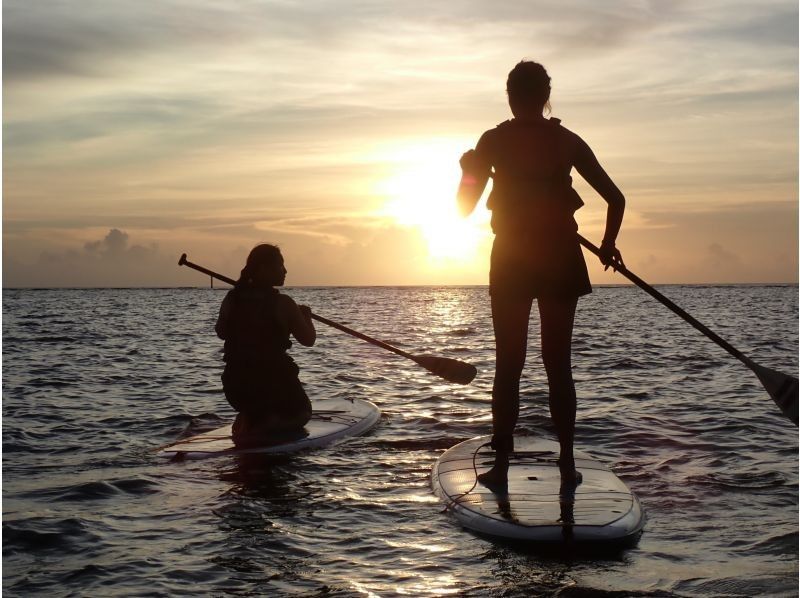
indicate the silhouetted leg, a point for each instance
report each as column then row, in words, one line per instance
column 260, row 429
column 242, row 431
column 510, row 318
column 557, row 318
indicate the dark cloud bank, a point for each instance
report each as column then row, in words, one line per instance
column 109, row 262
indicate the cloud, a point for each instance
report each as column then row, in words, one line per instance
column 108, row 262
column 721, row 260
column 755, row 24
column 53, row 39
column 335, row 230
column 320, row 246
column 96, row 38
column 113, row 246
column 744, row 242
column 224, row 123
column 364, row 41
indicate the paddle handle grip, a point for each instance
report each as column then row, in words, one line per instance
column 672, row 306
column 184, row 262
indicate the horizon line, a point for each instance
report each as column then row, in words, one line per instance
column 224, row 286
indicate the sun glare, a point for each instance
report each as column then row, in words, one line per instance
column 421, row 195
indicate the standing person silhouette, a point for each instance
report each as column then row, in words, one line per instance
column 260, row 380
column 535, row 254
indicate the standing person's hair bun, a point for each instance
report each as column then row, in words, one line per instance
column 528, row 81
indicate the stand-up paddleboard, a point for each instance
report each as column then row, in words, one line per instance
column 535, row 508
column 331, row 421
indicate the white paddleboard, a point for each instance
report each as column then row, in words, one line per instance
column 331, row 421
column 600, row 509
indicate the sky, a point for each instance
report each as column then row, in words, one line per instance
column 135, row 131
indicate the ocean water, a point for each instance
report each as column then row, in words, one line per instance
column 94, row 380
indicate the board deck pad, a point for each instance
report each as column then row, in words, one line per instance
column 535, row 507
column 331, row 421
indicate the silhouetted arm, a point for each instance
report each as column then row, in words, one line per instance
column 301, row 326
column 475, row 167
column 221, row 327
column 589, row 168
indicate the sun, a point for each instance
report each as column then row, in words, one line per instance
column 420, row 194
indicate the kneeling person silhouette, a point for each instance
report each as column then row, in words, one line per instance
column 260, row 379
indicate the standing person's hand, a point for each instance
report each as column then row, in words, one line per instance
column 610, row 255
column 474, row 176
column 469, row 161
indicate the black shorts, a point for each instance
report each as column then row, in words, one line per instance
column 532, row 266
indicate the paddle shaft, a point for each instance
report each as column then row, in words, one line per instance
column 661, row 298
column 184, row 262
column 363, row 337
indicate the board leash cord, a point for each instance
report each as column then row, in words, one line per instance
column 454, row 503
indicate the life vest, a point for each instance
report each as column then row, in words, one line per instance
column 532, row 191
column 255, row 332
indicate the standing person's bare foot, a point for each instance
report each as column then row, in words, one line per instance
column 570, row 477
column 496, row 479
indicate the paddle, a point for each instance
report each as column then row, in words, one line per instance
column 451, row 370
column 782, row 388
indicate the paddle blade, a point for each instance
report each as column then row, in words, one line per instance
column 451, row 370
column 782, row 388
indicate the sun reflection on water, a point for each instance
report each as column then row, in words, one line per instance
column 440, row 585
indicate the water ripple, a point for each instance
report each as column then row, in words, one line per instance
column 94, row 380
